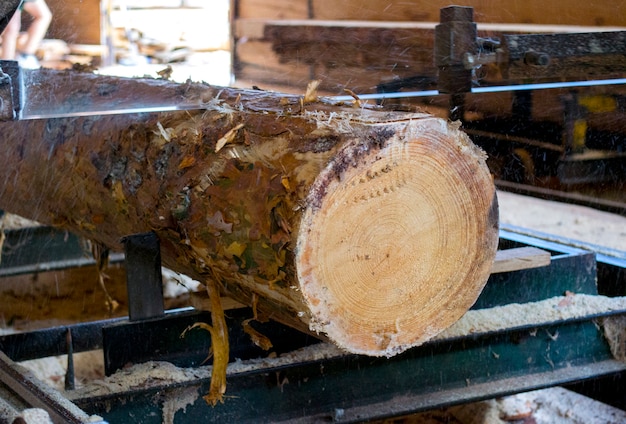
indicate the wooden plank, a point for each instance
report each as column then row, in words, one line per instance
column 254, row 28
column 353, row 54
column 520, row 258
column 597, row 13
column 600, row 13
column 271, row 9
column 257, row 64
column 75, row 21
column 249, row 29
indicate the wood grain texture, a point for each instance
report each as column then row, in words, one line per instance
column 599, row 13
column 520, row 258
column 76, row 21
column 361, row 54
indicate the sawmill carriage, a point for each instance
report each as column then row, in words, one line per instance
column 348, row 221
column 543, row 100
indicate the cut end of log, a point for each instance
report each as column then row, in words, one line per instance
column 398, row 238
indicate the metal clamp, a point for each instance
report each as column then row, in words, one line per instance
column 455, row 39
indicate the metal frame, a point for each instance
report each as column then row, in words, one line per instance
column 341, row 387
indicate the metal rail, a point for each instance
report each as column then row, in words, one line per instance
column 454, row 369
column 38, row 395
column 481, row 90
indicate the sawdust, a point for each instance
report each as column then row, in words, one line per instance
column 615, row 333
column 88, row 366
column 561, row 219
column 548, row 406
column 141, row 376
column 560, row 406
column 11, row 222
column 155, row 374
column 34, row 416
column 515, row 315
column 178, row 401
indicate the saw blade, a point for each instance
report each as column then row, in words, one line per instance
column 479, row 90
column 41, row 100
column 29, row 113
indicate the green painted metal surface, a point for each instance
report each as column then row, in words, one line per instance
column 571, row 269
column 325, row 389
column 344, row 387
column 36, row 245
column 322, row 388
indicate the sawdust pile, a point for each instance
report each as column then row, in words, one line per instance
column 574, row 222
column 517, row 315
column 11, row 222
column 548, row 406
column 141, row 376
column 615, row 333
column 157, row 373
column 34, row 416
column 88, row 366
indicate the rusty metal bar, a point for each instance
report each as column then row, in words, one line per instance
column 38, row 395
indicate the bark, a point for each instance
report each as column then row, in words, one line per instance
column 375, row 229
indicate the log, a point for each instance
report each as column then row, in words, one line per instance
column 375, row 229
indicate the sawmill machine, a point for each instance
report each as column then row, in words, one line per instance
column 559, row 302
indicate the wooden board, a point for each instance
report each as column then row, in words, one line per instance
column 597, row 13
column 271, row 9
column 351, row 54
column 76, row 21
column 520, row 258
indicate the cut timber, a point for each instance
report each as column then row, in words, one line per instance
column 376, row 229
column 359, row 55
column 601, row 12
column 520, row 258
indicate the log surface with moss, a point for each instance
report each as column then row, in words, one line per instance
column 376, row 229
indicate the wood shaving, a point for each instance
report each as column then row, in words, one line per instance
column 229, row 137
column 311, row 91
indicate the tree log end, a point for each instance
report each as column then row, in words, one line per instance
column 398, row 238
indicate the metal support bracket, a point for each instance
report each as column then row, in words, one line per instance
column 143, row 276
column 455, row 39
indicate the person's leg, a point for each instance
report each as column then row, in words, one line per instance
column 42, row 16
column 9, row 36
